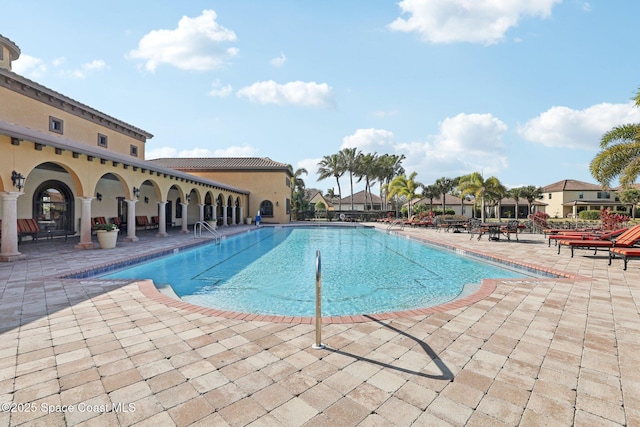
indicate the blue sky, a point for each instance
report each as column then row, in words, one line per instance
column 519, row 89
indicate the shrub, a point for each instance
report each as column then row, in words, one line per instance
column 591, row 215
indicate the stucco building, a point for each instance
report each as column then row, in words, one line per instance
column 63, row 164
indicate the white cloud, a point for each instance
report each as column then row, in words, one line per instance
column 196, row 44
column 466, row 143
column 234, row 151
column 474, row 21
column 89, row 67
column 308, row 94
column 29, row 66
column 279, row 61
column 568, row 128
column 220, row 91
column 368, row 140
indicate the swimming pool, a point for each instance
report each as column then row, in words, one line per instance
column 272, row 271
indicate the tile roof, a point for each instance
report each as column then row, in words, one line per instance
column 220, row 163
column 570, row 185
column 358, row 198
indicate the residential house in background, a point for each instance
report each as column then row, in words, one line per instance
column 566, row 198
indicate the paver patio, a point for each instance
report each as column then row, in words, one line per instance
column 107, row 352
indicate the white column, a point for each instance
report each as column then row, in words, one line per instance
column 162, row 217
column 85, row 224
column 233, row 215
column 215, row 212
column 10, row 226
column 241, row 214
column 224, row 215
column 201, row 209
column 184, row 229
column 131, row 221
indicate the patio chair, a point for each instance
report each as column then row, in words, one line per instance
column 626, row 240
column 586, row 235
column 511, row 228
column 626, row 254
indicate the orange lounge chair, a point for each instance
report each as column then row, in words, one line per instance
column 586, row 236
column 626, row 254
column 625, row 240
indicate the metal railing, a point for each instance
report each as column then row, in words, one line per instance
column 318, row 344
column 399, row 222
column 200, row 225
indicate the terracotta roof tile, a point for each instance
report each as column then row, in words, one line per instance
column 220, row 163
column 570, row 185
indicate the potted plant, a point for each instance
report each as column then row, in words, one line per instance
column 107, row 235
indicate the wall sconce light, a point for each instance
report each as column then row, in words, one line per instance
column 187, row 197
column 99, row 197
column 146, row 199
column 277, row 203
column 136, row 192
column 18, row 180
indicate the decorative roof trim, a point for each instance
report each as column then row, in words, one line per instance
column 17, row 83
column 38, row 137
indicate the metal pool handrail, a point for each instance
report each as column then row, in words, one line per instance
column 197, row 231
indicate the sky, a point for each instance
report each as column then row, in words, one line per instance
column 522, row 90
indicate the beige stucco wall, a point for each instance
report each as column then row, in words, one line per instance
column 86, row 178
column 27, row 112
column 262, row 185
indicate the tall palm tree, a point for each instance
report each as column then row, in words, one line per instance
column 475, row 184
column 390, row 167
column 430, row 192
column 405, row 186
column 350, row 159
column 515, row 193
column 297, row 190
column 367, row 169
column 332, row 166
column 619, row 155
column 531, row 193
column 444, row 185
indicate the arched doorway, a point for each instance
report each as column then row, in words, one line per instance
column 53, row 206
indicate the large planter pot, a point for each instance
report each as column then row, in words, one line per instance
column 212, row 224
column 248, row 220
column 107, row 239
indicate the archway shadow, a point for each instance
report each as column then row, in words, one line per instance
column 445, row 375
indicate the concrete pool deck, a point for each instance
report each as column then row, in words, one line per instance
column 531, row 352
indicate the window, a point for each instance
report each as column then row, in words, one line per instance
column 581, row 195
column 266, row 208
column 103, row 140
column 604, row 195
column 550, row 196
column 55, row 125
column 134, row 151
column 287, row 182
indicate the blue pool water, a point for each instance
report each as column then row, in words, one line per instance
column 272, row 271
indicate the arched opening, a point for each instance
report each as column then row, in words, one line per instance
column 53, row 206
column 266, row 209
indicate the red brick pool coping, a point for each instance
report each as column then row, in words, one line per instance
column 487, row 287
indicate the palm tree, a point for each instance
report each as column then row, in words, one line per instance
column 297, row 190
column 515, row 193
column 390, row 167
column 631, row 196
column 366, row 168
column 475, row 184
column 332, row 166
column 350, row 160
column 531, row 193
column 403, row 186
column 444, row 185
column 619, row 155
column 430, row 192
